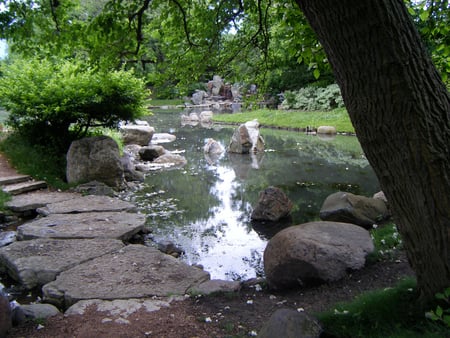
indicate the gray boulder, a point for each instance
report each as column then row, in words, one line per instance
column 329, row 130
column 315, row 252
column 206, row 116
column 151, row 152
column 349, row 208
column 246, row 138
column 273, row 204
column 137, row 134
column 39, row 311
column 7, row 237
column 198, row 96
column 172, row 160
column 213, row 147
column 95, row 159
column 288, row 323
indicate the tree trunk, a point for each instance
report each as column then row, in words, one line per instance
column 401, row 113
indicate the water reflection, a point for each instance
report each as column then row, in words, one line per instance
column 205, row 207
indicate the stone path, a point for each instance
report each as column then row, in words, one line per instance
column 77, row 250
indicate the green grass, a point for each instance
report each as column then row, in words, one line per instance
column 392, row 312
column 292, row 119
column 4, row 197
column 36, row 161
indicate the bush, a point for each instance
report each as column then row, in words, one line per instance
column 57, row 102
column 314, row 98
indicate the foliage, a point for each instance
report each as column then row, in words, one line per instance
column 4, row 197
column 314, row 98
column 386, row 239
column 58, row 101
column 39, row 161
column 432, row 19
column 392, row 312
column 441, row 314
column 292, row 119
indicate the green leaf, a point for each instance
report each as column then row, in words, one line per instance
column 439, row 311
column 316, row 73
column 424, row 16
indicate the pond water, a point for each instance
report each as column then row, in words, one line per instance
column 205, row 207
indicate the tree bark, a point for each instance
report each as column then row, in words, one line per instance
column 401, row 113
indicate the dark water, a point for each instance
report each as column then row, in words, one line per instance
column 205, row 207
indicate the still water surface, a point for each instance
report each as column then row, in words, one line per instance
column 205, row 207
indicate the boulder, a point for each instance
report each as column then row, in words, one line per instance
column 163, row 138
column 95, row 188
column 135, row 271
column 151, row 152
column 206, row 116
column 246, row 138
column 39, row 311
column 330, row 130
column 137, row 134
column 5, row 315
column 173, row 160
column 7, row 237
column 288, row 323
column 95, row 159
column 197, row 97
column 213, row 147
column 349, row 208
column 273, row 204
column 314, row 253
column 35, row 263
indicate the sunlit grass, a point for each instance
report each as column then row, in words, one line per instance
column 292, row 119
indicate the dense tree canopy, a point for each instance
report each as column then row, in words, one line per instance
column 182, row 42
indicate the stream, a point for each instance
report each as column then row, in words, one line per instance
column 205, row 207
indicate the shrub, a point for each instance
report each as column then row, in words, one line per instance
column 314, row 98
column 56, row 102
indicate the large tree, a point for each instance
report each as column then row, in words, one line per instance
column 401, row 112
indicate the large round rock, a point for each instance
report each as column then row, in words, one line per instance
column 95, row 159
column 315, row 252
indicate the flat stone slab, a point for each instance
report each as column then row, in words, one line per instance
column 90, row 203
column 38, row 199
column 116, row 225
column 14, row 179
column 37, row 262
column 119, row 307
column 136, row 271
column 23, row 187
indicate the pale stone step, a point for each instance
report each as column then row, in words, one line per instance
column 20, row 188
column 14, row 179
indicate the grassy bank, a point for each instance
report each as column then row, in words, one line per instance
column 391, row 312
column 292, row 119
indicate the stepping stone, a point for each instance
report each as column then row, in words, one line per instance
column 20, row 188
column 38, row 199
column 35, row 263
column 116, row 225
column 136, row 271
column 14, row 179
column 90, row 203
